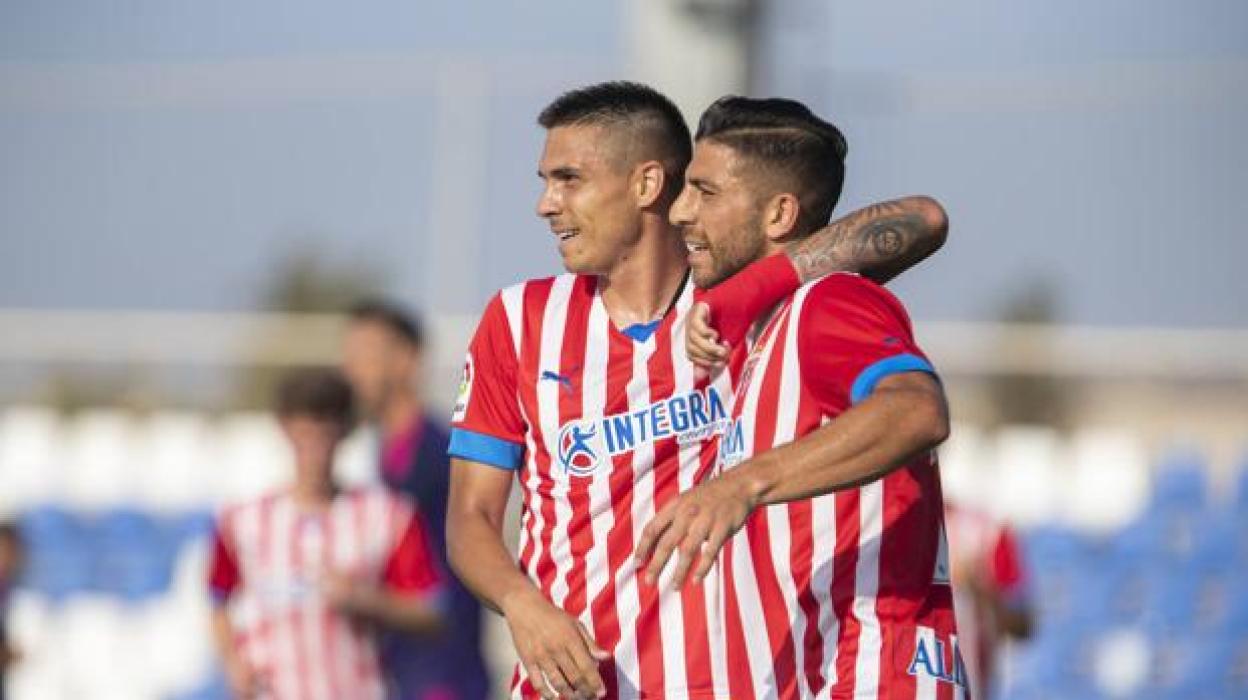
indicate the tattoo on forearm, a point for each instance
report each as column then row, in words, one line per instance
column 879, row 241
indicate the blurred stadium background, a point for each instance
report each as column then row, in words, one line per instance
column 191, row 194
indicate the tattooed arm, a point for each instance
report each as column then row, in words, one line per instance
column 880, row 241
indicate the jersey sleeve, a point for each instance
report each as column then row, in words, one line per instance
column 853, row 334
column 487, row 426
column 224, row 577
column 1005, row 568
column 411, row 568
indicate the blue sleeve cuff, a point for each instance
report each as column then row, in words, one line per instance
column 486, row 449
column 869, row 377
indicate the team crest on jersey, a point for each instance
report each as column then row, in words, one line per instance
column 944, row 663
column 465, row 390
column 579, row 448
column 586, row 445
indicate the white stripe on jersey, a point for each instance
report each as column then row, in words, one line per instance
column 925, row 684
column 866, row 584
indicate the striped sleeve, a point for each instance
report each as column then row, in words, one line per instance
column 486, row 426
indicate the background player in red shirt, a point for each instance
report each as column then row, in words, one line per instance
column 991, row 590
column 849, row 591
column 552, row 356
column 303, row 577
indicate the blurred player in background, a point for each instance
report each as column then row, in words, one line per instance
column 304, row 577
column 10, row 569
column 828, row 506
column 578, row 388
column 991, row 593
column 383, row 357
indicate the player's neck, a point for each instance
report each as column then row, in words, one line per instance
column 313, row 495
column 640, row 288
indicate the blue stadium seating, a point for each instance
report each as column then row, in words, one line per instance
column 1181, row 483
column 132, row 560
column 59, row 553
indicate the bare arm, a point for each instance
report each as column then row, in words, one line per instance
column 388, row 608
column 551, row 643
column 244, row 683
column 905, row 415
column 879, row 241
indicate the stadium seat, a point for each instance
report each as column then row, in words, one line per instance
column 59, row 554
column 133, row 560
column 1029, row 468
column 99, row 461
column 1108, row 484
column 1121, row 663
column 252, row 457
column 173, row 457
column 1173, row 600
column 1181, row 483
column 30, row 459
column 1211, row 667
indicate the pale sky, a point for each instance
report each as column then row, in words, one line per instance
column 167, row 154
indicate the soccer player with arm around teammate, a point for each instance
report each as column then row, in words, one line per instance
column 577, row 388
column 828, row 506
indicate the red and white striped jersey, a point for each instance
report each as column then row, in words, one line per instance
column 985, row 548
column 604, row 426
column 844, row 595
column 269, row 559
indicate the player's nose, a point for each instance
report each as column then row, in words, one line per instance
column 681, row 213
column 547, row 204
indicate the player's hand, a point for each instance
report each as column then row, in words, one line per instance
column 245, row 683
column 558, row 654
column 695, row 525
column 702, row 341
column 339, row 591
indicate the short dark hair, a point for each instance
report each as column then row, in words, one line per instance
column 317, row 392
column 787, row 139
column 402, row 322
column 633, row 106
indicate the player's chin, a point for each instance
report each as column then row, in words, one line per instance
column 705, row 276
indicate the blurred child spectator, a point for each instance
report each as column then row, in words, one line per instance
column 304, row 577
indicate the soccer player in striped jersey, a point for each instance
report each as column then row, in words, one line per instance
column 827, row 504
column 302, row 577
column 577, row 388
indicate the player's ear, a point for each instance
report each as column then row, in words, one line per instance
column 781, row 214
column 648, row 183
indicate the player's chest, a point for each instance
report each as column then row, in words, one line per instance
column 585, row 415
column 287, row 555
